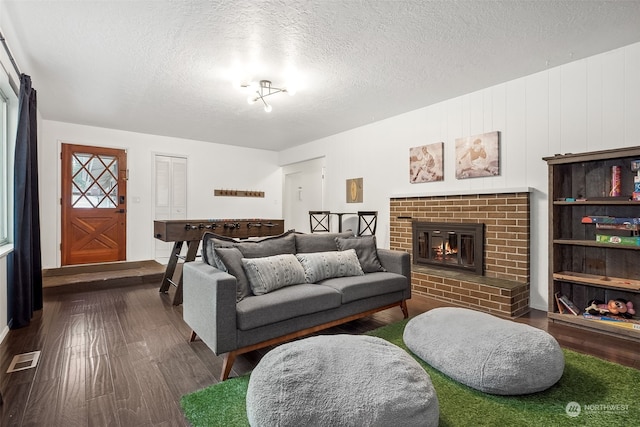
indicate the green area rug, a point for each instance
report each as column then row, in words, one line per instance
column 591, row 392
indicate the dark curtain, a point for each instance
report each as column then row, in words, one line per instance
column 25, row 267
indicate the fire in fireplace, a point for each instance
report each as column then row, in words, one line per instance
column 450, row 245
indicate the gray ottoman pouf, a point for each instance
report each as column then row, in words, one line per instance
column 340, row 380
column 485, row 352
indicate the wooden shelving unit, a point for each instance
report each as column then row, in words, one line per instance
column 581, row 268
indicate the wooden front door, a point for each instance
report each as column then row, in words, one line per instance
column 94, row 204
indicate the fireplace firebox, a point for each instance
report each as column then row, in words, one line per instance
column 458, row 246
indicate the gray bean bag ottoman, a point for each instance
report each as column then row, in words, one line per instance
column 340, row 380
column 485, row 352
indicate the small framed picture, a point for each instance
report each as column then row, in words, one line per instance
column 354, row 190
column 426, row 163
column 478, row 156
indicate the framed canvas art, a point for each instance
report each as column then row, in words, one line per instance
column 354, row 190
column 478, row 156
column 426, row 163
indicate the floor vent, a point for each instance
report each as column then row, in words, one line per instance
column 24, row 361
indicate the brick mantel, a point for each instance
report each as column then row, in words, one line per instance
column 504, row 288
column 492, row 191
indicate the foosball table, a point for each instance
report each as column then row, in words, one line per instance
column 191, row 231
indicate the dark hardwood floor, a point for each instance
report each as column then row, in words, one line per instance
column 120, row 356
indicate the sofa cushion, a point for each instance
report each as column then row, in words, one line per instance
column 251, row 248
column 369, row 285
column 366, row 249
column 324, row 265
column 285, row 303
column 210, row 241
column 318, row 242
column 232, row 260
column 269, row 246
column 270, row 273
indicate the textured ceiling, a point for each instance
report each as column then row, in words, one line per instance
column 169, row 67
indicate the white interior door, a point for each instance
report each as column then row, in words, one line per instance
column 303, row 192
column 170, row 197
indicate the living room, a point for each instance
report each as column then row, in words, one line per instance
column 575, row 103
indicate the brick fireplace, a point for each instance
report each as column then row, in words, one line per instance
column 502, row 288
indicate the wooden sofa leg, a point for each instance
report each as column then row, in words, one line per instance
column 229, row 358
column 193, row 336
column 405, row 310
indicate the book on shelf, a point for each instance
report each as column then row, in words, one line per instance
column 559, row 304
column 618, row 240
column 625, row 325
column 623, row 227
column 604, row 199
column 611, row 318
column 596, row 219
column 568, row 304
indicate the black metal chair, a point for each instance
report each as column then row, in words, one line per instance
column 320, row 221
column 367, row 223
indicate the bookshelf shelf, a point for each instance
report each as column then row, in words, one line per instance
column 608, row 327
column 601, row 281
column 598, row 202
column 593, row 243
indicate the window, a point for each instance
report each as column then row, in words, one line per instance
column 3, row 168
column 8, row 123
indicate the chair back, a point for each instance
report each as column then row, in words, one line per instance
column 319, row 221
column 367, row 223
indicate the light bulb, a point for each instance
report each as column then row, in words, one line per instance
column 268, row 108
column 251, row 99
column 291, row 91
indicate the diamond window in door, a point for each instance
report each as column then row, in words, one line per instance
column 94, row 182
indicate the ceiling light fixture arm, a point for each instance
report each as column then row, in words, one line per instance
column 267, row 89
column 264, row 89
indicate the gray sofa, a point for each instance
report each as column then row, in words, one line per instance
column 245, row 295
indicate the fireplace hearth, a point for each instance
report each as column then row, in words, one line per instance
column 457, row 246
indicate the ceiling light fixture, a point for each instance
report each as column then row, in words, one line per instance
column 263, row 89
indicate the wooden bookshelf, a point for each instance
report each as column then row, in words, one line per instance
column 581, row 268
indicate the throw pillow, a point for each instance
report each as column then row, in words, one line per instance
column 366, row 249
column 232, row 259
column 318, row 242
column 269, row 246
column 211, row 241
column 325, row 265
column 274, row 272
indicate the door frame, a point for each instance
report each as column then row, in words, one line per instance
column 152, row 178
column 316, row 164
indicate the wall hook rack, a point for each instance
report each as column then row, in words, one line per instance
column 238, row 193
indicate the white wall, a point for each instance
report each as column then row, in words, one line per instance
column 587, row 105
column 210, row 166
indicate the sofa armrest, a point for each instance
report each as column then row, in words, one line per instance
column 395, row 262
column 209, row 305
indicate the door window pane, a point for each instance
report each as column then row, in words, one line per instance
column 94, row 181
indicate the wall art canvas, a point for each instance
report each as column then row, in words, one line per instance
column 426, row 163
column 478, row 156
column 354, row 190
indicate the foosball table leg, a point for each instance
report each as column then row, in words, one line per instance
column 171, row 267
column 192, row 250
